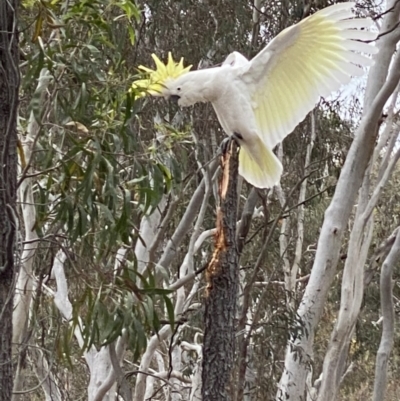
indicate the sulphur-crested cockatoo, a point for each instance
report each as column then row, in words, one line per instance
column 261, row 101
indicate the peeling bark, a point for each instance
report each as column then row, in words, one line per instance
column 222, row 284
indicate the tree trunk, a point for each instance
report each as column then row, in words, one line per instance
column 9, row 84
column 387, row 306
column 222, row 284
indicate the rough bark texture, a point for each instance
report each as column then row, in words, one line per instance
column 222, row 285
column 9, row 83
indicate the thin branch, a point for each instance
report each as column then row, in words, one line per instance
column 120, row 376
column 379, row 187
column 31, row 390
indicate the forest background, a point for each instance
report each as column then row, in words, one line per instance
column 117, row 204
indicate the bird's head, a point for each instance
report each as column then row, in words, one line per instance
column 183, row 90
column 167, row 80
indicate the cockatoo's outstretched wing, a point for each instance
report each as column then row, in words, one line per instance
column 235, row 59
column 306, row 61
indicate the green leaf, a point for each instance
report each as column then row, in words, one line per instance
column 149, row 310
column 170, row 311
column 38, row 27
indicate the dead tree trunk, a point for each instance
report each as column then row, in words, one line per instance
column 222, row 284
column 9, row 84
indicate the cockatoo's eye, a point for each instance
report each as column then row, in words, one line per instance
column 178, row 88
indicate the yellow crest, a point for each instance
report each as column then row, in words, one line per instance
column 154, row 84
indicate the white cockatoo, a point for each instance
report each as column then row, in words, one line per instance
column 261, row 101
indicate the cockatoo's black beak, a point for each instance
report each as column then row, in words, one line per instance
column 174, row 98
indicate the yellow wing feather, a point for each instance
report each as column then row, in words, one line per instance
column 306, row 61
column 259, row 166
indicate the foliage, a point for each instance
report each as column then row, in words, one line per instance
column 96, row 176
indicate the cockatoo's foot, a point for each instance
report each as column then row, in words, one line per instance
column 227, row 141
column 225, row 145
column 237, row 137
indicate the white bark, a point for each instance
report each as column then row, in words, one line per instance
column 256, row 21
column 387, row 306
column 23, row 290
column 187, row 220
column 390, row 126
column 351, row 298
column 150, row 386
column 380, row 86
column 291, row 285
column 140, row 388
column 186, row 274
column 195, row 392
column 176, row 363
column 283, row 237
column 149, row 227
column 103, row 377
column 256, row 11
column 24, row 286
column 46, row 378
column 291, row 269
column 353, row 282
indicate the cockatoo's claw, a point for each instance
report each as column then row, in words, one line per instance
column 225, row 145
column 227, row 141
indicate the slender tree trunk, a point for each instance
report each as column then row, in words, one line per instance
column 222, row 285
column 388, row 325
column 9, row 84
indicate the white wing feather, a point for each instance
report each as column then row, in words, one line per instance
column 306, row 61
